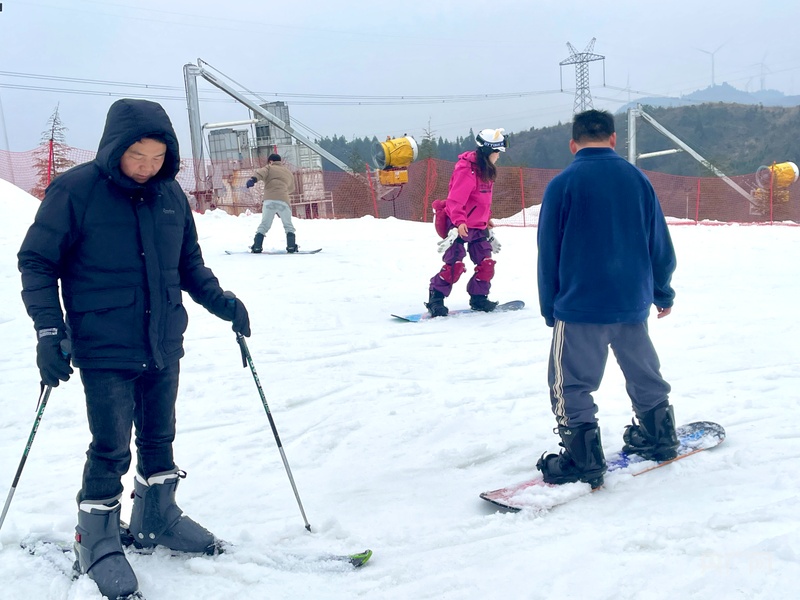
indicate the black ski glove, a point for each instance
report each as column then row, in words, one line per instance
column 237, row 313
column 251, row 182
column 52, row 356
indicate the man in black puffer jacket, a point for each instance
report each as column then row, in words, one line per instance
column 119, row 234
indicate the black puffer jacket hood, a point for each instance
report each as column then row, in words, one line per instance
column 128, row 121
column 121, row 254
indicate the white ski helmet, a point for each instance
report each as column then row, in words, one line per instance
column 492, row 139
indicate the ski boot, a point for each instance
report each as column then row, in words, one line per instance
column 157, row 521
column 291, row 246
column 654, row 438
column 581, row 459
column 98, row 549
column 435, row 304
column 257, row 246
column 482, row 303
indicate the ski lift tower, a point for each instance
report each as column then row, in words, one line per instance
column 203, row 192
column 581, row 60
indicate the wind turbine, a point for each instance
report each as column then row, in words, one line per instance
column 764, row 70
column 713, row 82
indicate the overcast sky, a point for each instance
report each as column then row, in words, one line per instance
column 341, row 65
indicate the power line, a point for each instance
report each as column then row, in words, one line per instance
column 312, row 99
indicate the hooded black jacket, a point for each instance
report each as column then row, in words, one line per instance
column 123, row 252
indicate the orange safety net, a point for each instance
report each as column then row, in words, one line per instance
column 517, row 196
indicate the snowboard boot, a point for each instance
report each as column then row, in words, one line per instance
column 435, row 304
column 291, row 245
column 654, row 438
column 258, row 242
column 581, row 459
column 482, row 303
column 98, row 550
column 157, row 521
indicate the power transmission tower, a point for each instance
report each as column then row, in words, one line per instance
column 581, row 60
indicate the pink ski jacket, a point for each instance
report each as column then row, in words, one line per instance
column 469, row 200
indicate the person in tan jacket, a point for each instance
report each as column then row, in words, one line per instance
column 278, row 184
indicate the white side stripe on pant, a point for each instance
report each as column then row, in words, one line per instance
column 558, row 372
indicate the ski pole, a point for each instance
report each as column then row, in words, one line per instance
column 44, row 395
column 248, row 360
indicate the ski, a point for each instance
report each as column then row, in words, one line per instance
column 62, row 557
column 273, row 252
column 417, row 317
column 59, row 555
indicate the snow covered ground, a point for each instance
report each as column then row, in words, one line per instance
column 393, row 429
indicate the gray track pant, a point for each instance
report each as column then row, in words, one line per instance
column 269, row 209
column 578, row 356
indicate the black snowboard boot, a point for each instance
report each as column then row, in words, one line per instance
column 157, row 521
column 654, row 438
column 257, row 246
column 98, row 550
column 291, row 245
column 482, row 303
column 581, row 459
column 435, row 304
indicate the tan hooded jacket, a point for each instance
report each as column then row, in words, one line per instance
column 278, row 182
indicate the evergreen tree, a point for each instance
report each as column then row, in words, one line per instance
column 427, row 147
column 51, row 158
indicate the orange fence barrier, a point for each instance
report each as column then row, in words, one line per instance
column 518, row 192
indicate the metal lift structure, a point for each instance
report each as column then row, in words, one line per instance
column 203, row 185
column 633, row 157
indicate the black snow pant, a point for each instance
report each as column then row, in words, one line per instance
column 116, row 401
column 578, row 356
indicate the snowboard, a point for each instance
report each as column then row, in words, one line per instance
column 537, row 495
column 505, row 307
column 273, row 252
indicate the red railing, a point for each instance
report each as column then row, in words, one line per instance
column 518, row 192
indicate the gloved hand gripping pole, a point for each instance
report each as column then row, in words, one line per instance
column 248, row 360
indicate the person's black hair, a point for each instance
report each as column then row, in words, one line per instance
column 592, row 125
column 156, row 137
column 274, row 158
column 486, row 170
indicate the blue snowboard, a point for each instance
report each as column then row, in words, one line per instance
column 537, row 495
column 415, row 318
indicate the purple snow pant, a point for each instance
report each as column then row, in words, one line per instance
column 479, row 249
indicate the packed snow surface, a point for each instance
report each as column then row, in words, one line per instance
column 392, row 429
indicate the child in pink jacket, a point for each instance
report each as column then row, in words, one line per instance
column 468, row 209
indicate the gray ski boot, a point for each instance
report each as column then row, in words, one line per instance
column 98, row 549
column 157, row 521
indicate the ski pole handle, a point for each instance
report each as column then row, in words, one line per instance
column 243, row 348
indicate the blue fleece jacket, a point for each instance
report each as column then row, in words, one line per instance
column 605, row 253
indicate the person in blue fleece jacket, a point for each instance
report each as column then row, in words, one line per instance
column 605, row 256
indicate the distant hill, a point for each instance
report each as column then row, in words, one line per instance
column 718, row 93
column 737, row 138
